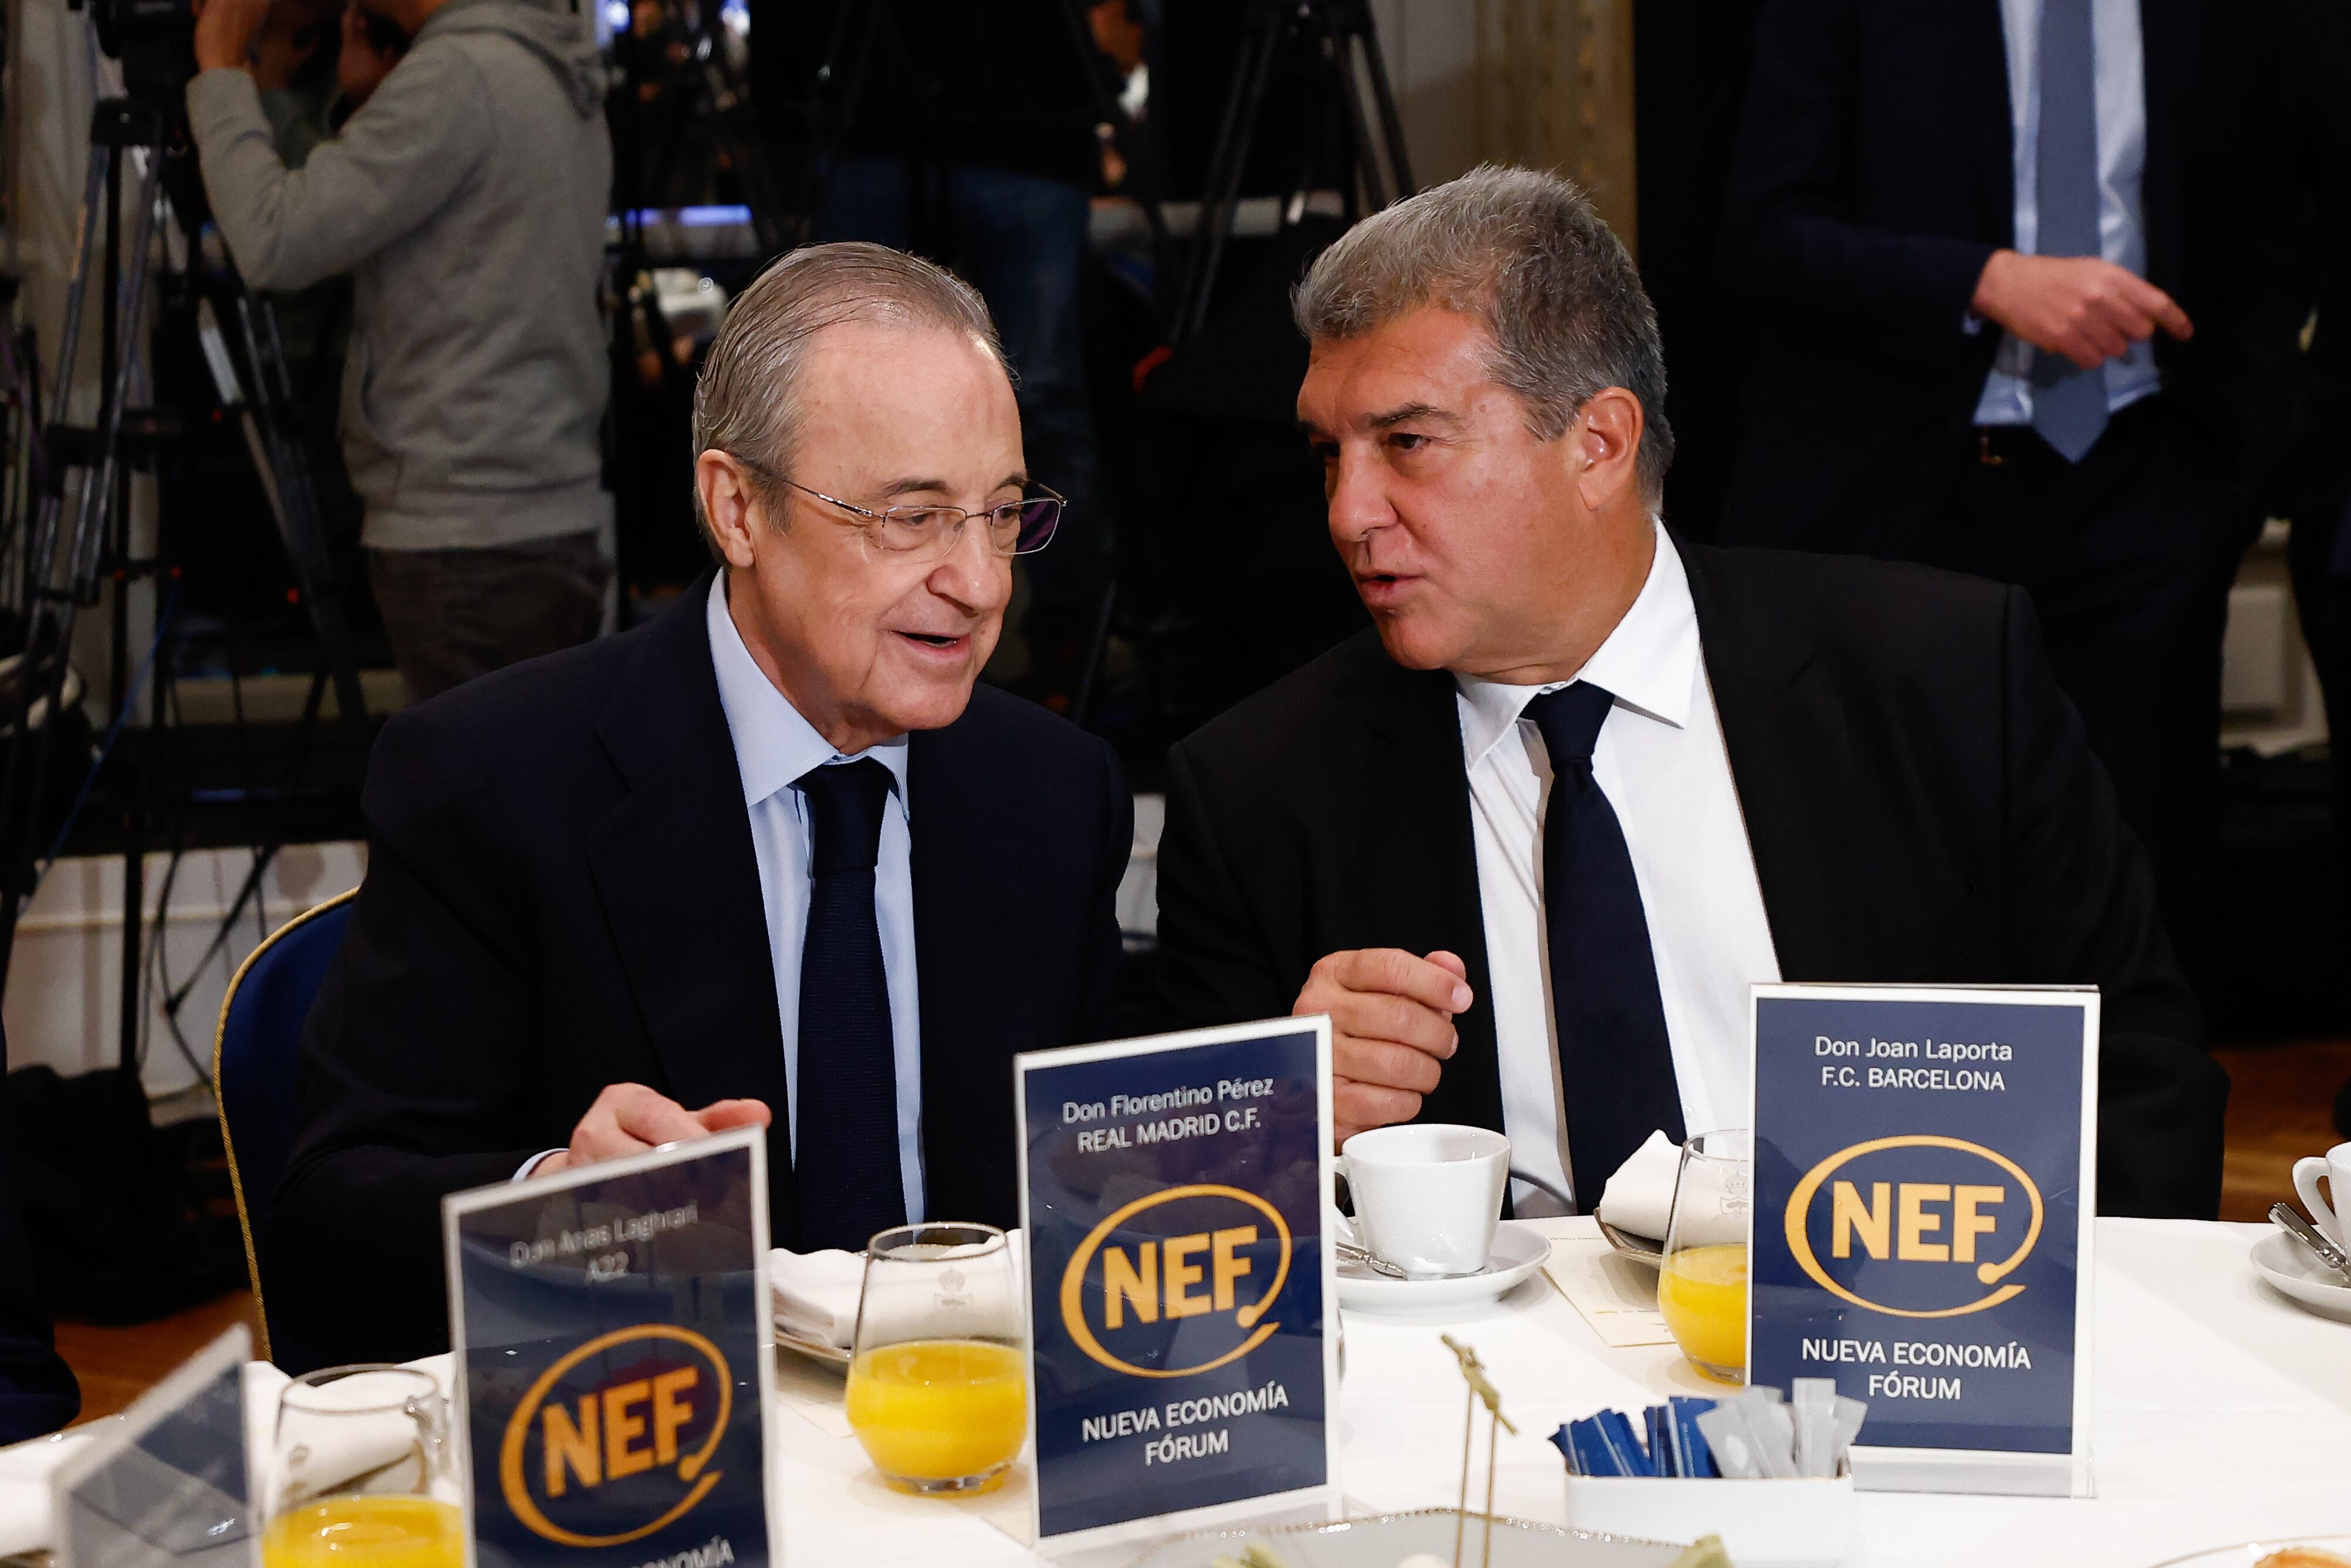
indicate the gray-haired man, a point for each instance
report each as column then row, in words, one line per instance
column 768, row 860
column 1531, row 843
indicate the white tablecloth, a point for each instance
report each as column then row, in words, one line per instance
column 2223, row 1413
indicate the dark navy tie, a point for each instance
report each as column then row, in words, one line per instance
column 1615, row 1064
column 2069, row 404
column 845, row 1162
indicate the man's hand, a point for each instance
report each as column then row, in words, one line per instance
column 225, row 30
column 629, row 1119
column 1391, row 1024
column 2087, row 309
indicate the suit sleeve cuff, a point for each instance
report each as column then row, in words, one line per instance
column 1953, row 268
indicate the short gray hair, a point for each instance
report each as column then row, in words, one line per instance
column 743, row 404
column 1524, row 253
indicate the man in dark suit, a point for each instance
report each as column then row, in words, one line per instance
column 1532, row 842
column 768, row 860
column 2315, row 486
column 2024, row 279
column 38, row 1392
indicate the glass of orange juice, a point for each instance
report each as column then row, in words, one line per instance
column 939, row 1387
column 1702, row 1286
column 362, row 1473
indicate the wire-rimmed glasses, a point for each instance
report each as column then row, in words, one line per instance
column 932, row 531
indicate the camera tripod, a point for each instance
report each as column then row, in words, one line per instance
column 1346, row 47
column 703, row 85
column 70, row 553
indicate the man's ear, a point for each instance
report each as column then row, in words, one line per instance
column 732, row 506
column 1608, row 428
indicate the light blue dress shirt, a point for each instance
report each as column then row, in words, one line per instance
column 773, row 746
column 2121, row 86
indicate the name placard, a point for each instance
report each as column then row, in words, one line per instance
column 166, row 1486
column 612, row 1334
column 1184, row 1353
column 1925, row 1170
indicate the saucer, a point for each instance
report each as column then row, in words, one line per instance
column 1518, row 1251
column 2283, row 1264
column 2249, row 1554
column 814, row 1349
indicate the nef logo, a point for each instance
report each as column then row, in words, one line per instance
column 607, row 1449
column 1917, row 1226
column 1178, row 1282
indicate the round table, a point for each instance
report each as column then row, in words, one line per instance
column 2222, row 1413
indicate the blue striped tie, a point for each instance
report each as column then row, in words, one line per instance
column 2069, row 404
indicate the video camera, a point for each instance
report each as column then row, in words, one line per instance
column 156, row 42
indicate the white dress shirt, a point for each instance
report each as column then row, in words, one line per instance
column 2119, row 73
column 1660, row 759
column 773, row 746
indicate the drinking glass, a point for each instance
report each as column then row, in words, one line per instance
column 361, row 1473
column 937, row 1388
column 1702, row 1285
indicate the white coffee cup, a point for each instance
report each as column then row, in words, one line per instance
column 1428, row 1195
column 2335, row 1169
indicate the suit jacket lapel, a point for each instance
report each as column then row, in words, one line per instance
column 680, row 886
column 1788, row 760
column 2168, row 31
column 1418, row 860
column 953, row 819
column 1992, row 115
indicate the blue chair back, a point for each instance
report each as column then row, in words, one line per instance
column 254, row 1060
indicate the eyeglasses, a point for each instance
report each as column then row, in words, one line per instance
column 930, row 533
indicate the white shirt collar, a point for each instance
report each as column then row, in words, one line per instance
column 1649, row 663
column 773, row 744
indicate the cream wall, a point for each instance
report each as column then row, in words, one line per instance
column 1546, row 82
column 64, row 980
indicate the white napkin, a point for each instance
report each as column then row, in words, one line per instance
column 816, row 1293
column 338, row 1449
column 1639, row 1198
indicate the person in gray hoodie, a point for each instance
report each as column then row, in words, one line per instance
column 467, row 198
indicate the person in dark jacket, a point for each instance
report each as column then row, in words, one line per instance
column 39, row 1393
column 2314, row 489
column 1531, row 839
column 768, row 860
column 2025, row 278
